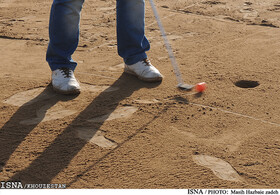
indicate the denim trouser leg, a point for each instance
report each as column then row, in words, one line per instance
column 132, row 43
column 64, row 33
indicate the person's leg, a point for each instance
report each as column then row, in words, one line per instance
column 64, row 38
column 63, row 33
column 132, row 42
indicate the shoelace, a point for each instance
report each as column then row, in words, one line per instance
column 147, row 62
column 66, row 72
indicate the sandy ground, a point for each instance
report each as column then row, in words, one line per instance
column 124, row 133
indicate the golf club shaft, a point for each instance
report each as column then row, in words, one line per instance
column 167, row 45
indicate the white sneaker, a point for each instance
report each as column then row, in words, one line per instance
column 144, row 70
column 64, row 81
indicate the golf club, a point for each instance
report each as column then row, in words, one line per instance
column 181, row 85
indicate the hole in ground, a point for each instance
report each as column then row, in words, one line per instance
column 247, row 84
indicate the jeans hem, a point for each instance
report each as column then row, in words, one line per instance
column 57, row 66
column 135, row 59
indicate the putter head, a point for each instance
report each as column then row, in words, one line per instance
column 185, row 87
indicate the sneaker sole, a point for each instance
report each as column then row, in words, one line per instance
column 72, row 92
column 150, row 80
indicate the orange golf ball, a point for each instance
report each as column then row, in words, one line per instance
column 200, row 87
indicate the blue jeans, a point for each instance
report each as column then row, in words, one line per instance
column 64, row 32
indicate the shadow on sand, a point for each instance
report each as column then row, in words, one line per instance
column 44, row 168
